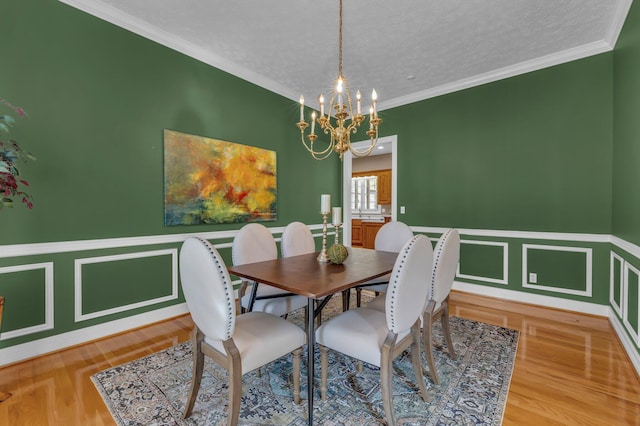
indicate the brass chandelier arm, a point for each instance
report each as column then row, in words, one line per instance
column 318, row 155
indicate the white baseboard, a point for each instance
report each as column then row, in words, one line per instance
column 40, row 347
column 627, row 343
column 535, row 299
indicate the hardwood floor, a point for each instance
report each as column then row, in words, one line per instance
column 570, row 369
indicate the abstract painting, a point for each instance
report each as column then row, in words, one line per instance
column 209, row 181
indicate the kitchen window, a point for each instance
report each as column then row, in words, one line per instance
column 364, row 194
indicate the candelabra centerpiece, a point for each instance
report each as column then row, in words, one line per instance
column 344, row 122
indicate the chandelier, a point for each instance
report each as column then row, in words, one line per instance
column 341, row 106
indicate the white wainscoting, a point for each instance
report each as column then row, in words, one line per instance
column 48, row 299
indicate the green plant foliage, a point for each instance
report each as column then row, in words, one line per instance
column 11, row 154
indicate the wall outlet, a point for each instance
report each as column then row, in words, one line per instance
column 533, row 277
column 401, row 209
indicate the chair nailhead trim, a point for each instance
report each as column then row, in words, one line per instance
column 436, row 260
column 394, row 285
column 227, row 286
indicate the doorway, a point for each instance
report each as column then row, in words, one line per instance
column 389, row 142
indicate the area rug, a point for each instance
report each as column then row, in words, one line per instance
column 472, row 391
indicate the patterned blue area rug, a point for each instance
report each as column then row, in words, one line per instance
column 473, row 390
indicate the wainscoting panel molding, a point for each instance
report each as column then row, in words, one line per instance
column 559, row 287
column 616, row 285
column 507, row 283
column 502, row 262
column 78, row 283
column 48, row 297
column 630, row 313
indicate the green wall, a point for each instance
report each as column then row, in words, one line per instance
column 626, row 152
column 625, row 261
column 529, row 153
column 98, row 99
column 549, row 151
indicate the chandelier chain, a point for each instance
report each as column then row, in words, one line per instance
column 340, row 44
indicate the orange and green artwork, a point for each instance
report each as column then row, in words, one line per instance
column 212, row 181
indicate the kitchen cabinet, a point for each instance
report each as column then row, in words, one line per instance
column 369, row 232
column 384, row 186
column 356, row 233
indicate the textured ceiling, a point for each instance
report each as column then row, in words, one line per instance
column 407, row 50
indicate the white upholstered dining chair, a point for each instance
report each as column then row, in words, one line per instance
column 296, row 240
column 254, row 243
column 241, row 343
column 391, row 236
column 445, row 263
column 378, row 337
column 439, row 282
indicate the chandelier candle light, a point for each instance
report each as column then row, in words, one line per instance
column 338, row 129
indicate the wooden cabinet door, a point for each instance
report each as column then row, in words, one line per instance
column 356, row 233
column 369, row 232
column 384, row 186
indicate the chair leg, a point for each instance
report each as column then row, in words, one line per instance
column 427, row 337
column 235, row 382
column 415, row 360
column 346, row 299
column 386, row 373
column 296, row 375
column 446, row 330
column 324, row 366
column 358, row 297
column 241, row 292
column 197, row 338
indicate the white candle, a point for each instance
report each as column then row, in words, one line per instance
column 301, row 107
column 337, row 216
column 374, row 98
column 313, row 121
column 358, row 98
column 370, row 118
column 321, row 105
column 325, row 204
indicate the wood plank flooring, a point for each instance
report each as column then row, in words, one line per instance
column 570, row 369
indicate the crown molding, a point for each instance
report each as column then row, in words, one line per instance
column 618, row 22
column 501, row 73
column 137, row 26
column 144, row 29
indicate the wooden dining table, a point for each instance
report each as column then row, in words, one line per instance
column 306, row 276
